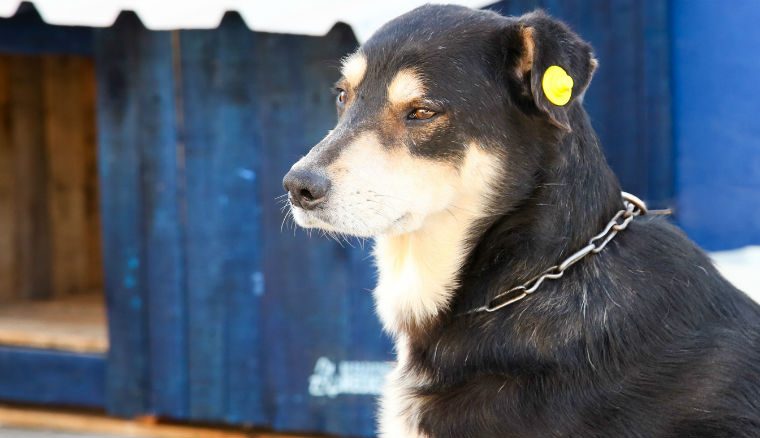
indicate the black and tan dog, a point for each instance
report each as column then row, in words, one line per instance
column 463, row 149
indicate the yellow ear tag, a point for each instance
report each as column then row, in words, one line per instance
column 557, row 85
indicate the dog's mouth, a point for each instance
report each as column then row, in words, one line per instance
column 363, row 223
column 312, row 218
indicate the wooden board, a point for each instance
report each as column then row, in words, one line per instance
column 30, row 182
column 7, row 198
column 49, row 217
column 147, row 427
column 223, row 240
column 76, row 324
column 126, row 101
column 66, row 148
column 165, row 173
column 50, row 377
column 93, row 226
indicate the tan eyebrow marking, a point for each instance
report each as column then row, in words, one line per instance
column 406, row 86
column 353, row 69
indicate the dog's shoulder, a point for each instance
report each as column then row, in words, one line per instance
column 646, row 337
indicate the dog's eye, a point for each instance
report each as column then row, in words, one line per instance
column 340, row 99
column 421, row 114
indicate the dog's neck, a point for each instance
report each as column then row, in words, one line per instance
column 420, row 272
column 573, row 197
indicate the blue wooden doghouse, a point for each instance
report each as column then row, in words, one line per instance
column 215, row 312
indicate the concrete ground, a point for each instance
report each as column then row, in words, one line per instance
column 24, row 433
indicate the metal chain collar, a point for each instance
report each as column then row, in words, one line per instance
column 633, row 207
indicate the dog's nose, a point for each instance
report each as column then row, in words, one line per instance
column 306, row 188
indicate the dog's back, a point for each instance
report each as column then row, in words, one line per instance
column 646, row 341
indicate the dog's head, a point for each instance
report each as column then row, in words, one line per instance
column 441, row 109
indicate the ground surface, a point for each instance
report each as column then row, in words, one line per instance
column 22, row 433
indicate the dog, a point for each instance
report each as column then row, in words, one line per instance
column 463, row 149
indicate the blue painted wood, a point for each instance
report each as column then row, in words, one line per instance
column 164, row 217
column 52, row 377
column 253, row 348
column 142, row 162
column 629, row 98
column 223, row 240
column 125, row 64
column 26, row 33
column 304, row 308
column 715, row 98
column 237, row 139
column 658, row 103
column 193, row 155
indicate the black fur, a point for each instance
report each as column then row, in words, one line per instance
column 645, row 339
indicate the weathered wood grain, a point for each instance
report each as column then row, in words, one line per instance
column 66, row 149
column 33, row 240
column 75, row 323
column 223, row 240
column 7, row 193
column 122, row 53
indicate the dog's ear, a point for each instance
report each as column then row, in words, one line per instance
column 549, row 66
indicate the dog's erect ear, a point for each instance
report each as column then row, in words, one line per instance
column 549, row 65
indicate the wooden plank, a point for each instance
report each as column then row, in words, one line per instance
column 76, row 422
column 279, row 105
column 93, row 225
column 222, row 239
column 204, row 252
column 7, row 198
column 239, row 227
column 75, row 324
column 163, row 180
column 30, row 182
column 66, row 148
column 122, row 101
column 657, row 106
column 51, row 377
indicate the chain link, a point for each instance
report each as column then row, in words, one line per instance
column 633, row 207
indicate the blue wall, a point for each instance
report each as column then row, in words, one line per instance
column 716, row 107
column 216, row 312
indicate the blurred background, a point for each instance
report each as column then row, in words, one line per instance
column 146, row 281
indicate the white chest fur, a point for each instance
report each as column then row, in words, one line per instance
column 418, row 274
column 417, row 271
column 399, row 409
